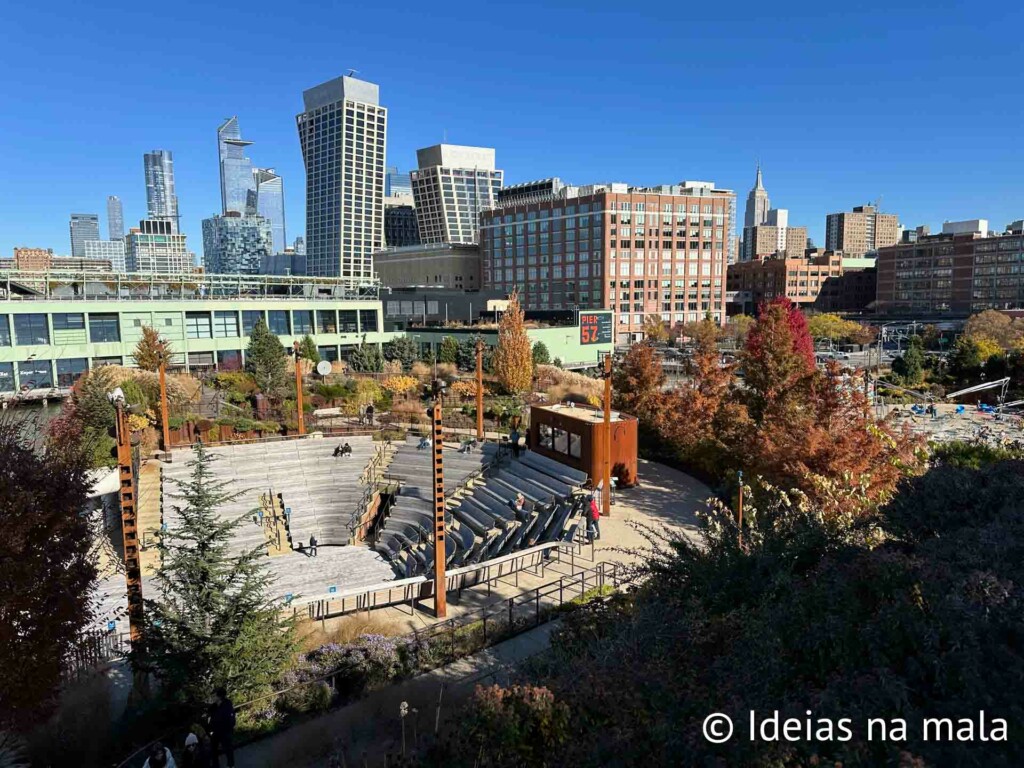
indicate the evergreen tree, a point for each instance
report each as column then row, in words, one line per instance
column 449, row 351
column 513, row 358
column 541, row 355
column 209, row 621
column 911, row 365
column 467, row 355
column 308, row 350
column 150, row 349
column 266, row 361
column 404, row 350
column 367, row 358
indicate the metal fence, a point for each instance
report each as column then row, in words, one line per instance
column 94, row 650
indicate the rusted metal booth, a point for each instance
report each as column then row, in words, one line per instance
column 575, row 436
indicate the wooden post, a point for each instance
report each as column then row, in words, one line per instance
column 164, row 418
column 480, row 390
column 129, row 523
column 440, row 579
column 739, row 515
column 607, row 479
column 301, row 416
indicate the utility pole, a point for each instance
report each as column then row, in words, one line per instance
column 165, row 424
column 606, row 500
column 440, row 579
column 301, row 418
column 480, row 390
column 129, row 522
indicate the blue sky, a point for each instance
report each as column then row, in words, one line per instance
column 919, row 104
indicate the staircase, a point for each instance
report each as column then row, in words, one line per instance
column 275, row 527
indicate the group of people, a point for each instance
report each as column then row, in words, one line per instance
column 203, row 746
column 343, row 451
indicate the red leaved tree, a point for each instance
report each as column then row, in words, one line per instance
column 777, row 358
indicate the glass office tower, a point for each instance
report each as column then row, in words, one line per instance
column 236, row 176
column 269, row 196
column 84, row 227
column 115, row 218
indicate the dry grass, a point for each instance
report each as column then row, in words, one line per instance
column 345, row 629
column 561, row 385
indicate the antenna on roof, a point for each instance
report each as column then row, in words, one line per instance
column 351, row 72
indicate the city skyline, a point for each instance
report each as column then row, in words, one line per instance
column 863, row 155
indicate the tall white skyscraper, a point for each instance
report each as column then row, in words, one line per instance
column 115, row 218
column 758, row 204
column 452, row 186
column 161, row 200
column 343, row 135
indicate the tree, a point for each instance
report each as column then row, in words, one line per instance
column 47, row 574
column 151, row 348
column 449, row 350
column 308, row 350
column 970, row 354
column 910, row 365
column 737, row 327
column 637, row 383
column 513, row 358
column 994, row 326
column 655, row 329
column 367, row 358
column 210, row 621
column 266, row 361
column 832, row 327
column 778, row 354
column 404, row 350
column 466, row 358
column 541, row 355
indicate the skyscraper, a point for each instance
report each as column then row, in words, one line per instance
column 343, row 134
column 156, row 246
column 84, row 226
column 860, row 231
column 236, row 176
column 115, row 218
column 235, row 244
column 161, row 201
column 758, row 204
column 109, row 250
column 451, row 188
column 269, row 196
column 774, row 237
column 397, row 184
column 300, row 246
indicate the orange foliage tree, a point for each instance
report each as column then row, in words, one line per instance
column 513, row 358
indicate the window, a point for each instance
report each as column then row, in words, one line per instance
column 229, row 360
column 5, row 332
column 197, row 325
column 367, row 320
column 225, row 325
column 328, row 353
column 302, row 321
column 104, row 328
column 327, row 321
column 69, row 370
column 99, row 362
column 35, row 374
column 574, row 445
column 277, row 319
column 546, row 438
column 31, row 329
column 6, row 373
column 561, row 440
column 200, row 359
column 69, row 322
column 348, row 323
column 249, row 320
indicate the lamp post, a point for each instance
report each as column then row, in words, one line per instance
column 301, row 416
column 480, row 390
column 606, row 500
column 440, row 579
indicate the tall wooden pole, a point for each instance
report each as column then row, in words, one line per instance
column 739, row 520
column 129, row 523
column 298, row 391
column 480, row 390
column 164, row 418
column 607, row 480
column 440, row 579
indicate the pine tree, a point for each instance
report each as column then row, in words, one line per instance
column 449, row 351
column 150, row 348
column 266, row 361
column 209, row 620
column 367, row 358
column 308, row 350
column 404, row 350
column 513, row 359
column 541, row 355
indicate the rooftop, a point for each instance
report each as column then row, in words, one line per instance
column 585, row 413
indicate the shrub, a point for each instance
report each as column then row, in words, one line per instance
column 421, row 370
column 399, row 384
column 464, row 389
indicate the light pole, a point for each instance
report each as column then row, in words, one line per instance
column 606, row 500
column 301, row 416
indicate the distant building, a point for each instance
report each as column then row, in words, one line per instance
column 83, row 226
column 852, row 291
column 236, row 177
column 115, row 218
column 452, row 187
column 156, row 246
column 287, row 263
column 530, row 191
column 236, row 244
column 419, row 306
column 758, row 204
column 397, row 184
column 761, row 279
column 860, row 231
column 111, row 251
column 400, row 227
column 33, row 259
column 774, row 237
column 161, row 199
column 913, row 235
column 343, row 133
column 445, row 265
column 269, row 196
column 300, row 246
column 959, row 272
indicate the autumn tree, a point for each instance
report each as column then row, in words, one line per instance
column 832, row 327
column 737, row 327
column 778, row 354
column 150, row 349
column 655, row 329
column 513, row 358
column 266, row 361
column 994, row 326
column 47, row 574
column 637, row 382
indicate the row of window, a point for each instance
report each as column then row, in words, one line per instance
column 32, row 328
column 560, row 441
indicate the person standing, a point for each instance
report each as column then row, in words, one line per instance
column 594, row 520
column 369, row 413
column 312, row 545
column 222, row 727
column 514, row 439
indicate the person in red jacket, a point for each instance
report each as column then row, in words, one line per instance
column 593, row 519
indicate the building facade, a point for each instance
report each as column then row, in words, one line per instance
column 758, row 204
column 300, row 246
column 236, row 244
column 400, row 226
column 270, row 204
column 343, row 135
column 762, row 279
column 658, row 251
column 860, row 231
column 111, row 251
column 774, row 238
column 441, row 265
column 397, row 184
column 531, row 191
column 115, row 218
column 236, row 176
column 161, row 199
column 83, row 227
column 451, row 188
column 33, row 259
column 155, row 246
column 952, row 273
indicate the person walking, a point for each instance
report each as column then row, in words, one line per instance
column 369, row 414
column 222, row 728
column 312, row 545
column 594, row 519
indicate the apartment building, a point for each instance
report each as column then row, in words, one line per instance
column 860, row 231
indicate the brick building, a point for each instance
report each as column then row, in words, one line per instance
column 658, row 251
column 800, row 280
column 860, row 231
